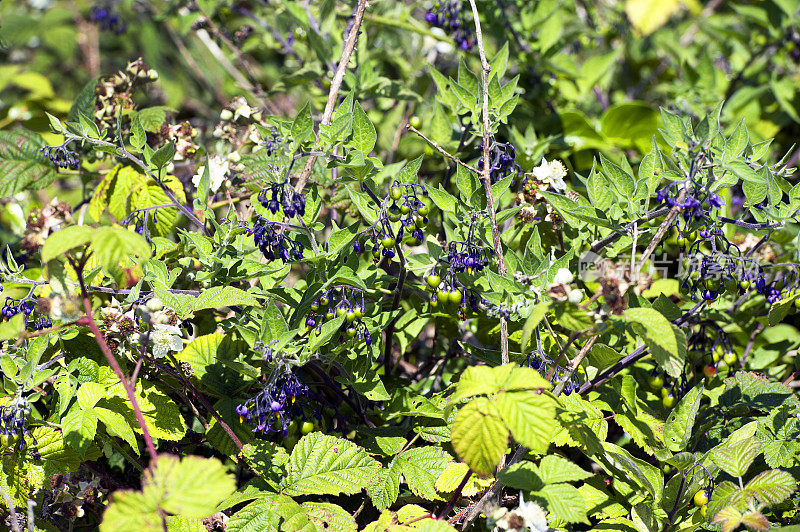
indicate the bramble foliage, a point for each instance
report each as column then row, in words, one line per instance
column 519, row 265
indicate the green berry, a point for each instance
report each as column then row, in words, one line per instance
column 434, row 281
column 396, row 193
column 350, row 317
column 351, row 332
column 701, row 498
column 306, row 427
column 730, row 358
column 423, row 211
column 387, row 242
column 415, row 121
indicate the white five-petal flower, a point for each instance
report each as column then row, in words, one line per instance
column 165, row 338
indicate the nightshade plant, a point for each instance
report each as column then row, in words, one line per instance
column 399, row 265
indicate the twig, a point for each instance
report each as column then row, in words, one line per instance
column 673, row 213
column 570, row 370
column 487, row 182
column 12, row 510
column 435, row 146
column 88, row 319
column 456, row 494
column 336, row 84
column 187, row 384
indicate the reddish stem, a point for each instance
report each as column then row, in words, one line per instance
column 88, row 319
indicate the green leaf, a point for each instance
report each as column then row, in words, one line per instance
column 163, row 156
column 737, row 142
column 630, row 124
column 772, row 486
column 138, row 136
column 224, row 296
column 564, row 502
column 386, row 486
column 479, row 435
column 659, row 335
column 326, row 465
column 620, row 179
column 421, row 467
column 364, row 135
column 170, row 486
column 485, row 380
column 554, row 469
column 79, row 428
column 117, row 425
column 89, row 393
column 744, row 172
column 736, row 459
column 22, row 165
column 329, row 517
column 175, row 483
column 533, row 320
column 442, row 199
column 680, row 422
column 530, row 416
column 111, row 244
column 66, row 239
column 303, row 125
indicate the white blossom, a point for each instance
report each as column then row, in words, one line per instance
column 563, row 276
column 218, row 167
column 552, row 172
column 165, row 338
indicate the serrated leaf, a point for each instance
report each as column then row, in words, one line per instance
column 479, row 435
column 117, row 425
column 22, row 165
column 64, row 240
column 736, row 460
column 79, row 427
column 453, row 475
column 224, row 296
column 554, row 469
column 772, row 486
column 383, row 491
column 421, row 467
column 659, row 335
column 112, row 244
column 329, row 517
column 89, row 393
column 565, row 502
column 326, row 465
column 530, row 416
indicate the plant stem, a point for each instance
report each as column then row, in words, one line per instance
column 487, row 182
column 336, row 84
column 456, row 494
column 88, row 319
column 435, row 146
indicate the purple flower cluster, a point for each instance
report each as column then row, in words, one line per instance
column 501, row 161
column 275, row 406
column 273, row 143
column 273, row 241
column 447, row 14
column 107, row 18
column 61, row 156
column 283, row 196
column 13, row 418
column 12, row 307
